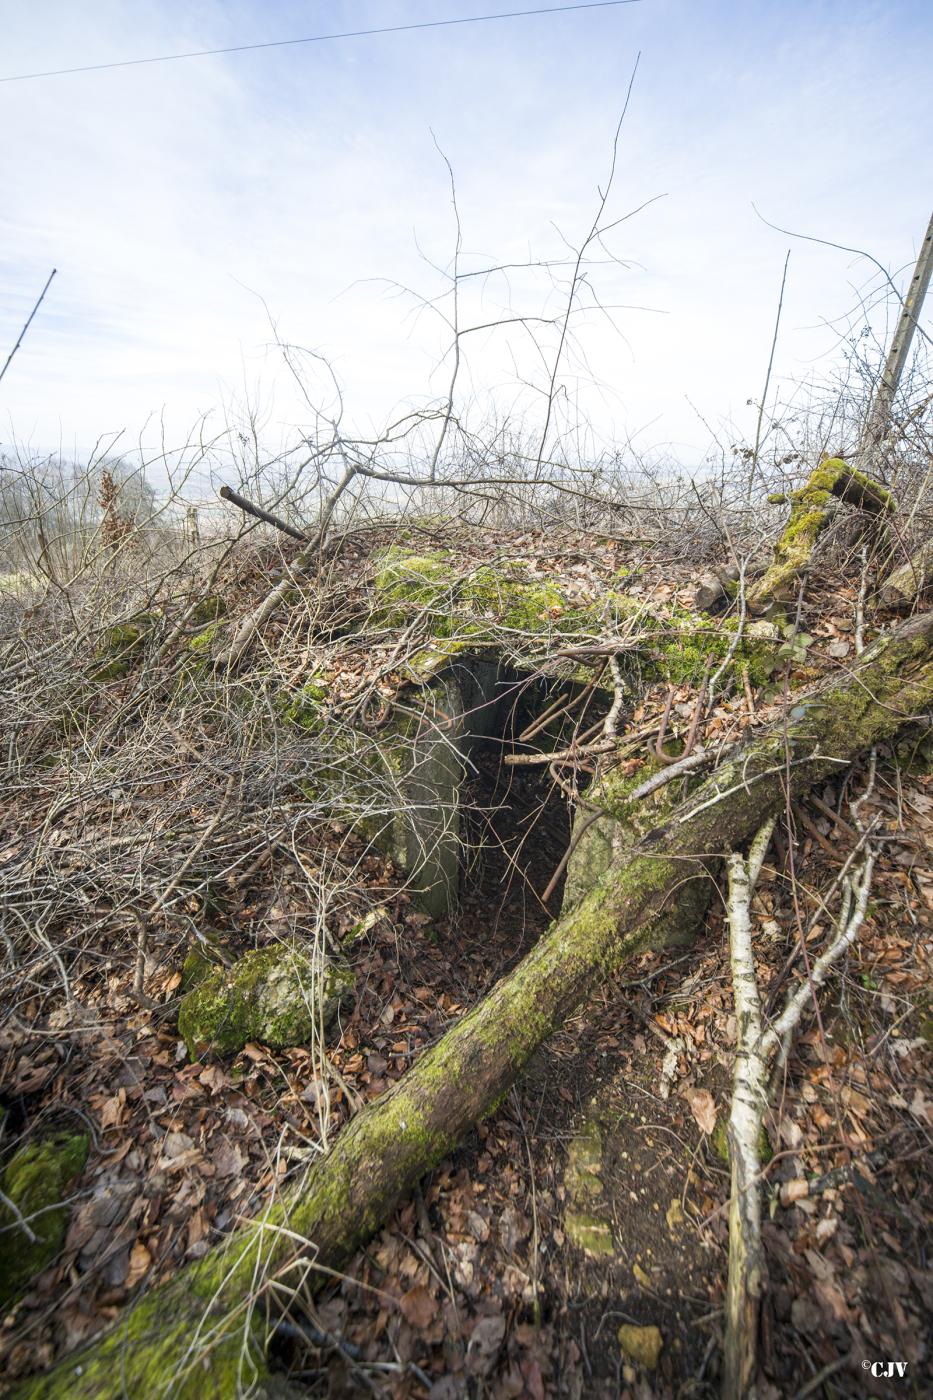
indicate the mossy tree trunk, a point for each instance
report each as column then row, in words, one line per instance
column 201, row 1335
column 810, row 513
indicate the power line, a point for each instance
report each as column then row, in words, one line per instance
column 319, row 39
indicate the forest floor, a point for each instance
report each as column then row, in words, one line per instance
column 485, row 1283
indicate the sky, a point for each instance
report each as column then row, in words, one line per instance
column 199, row 211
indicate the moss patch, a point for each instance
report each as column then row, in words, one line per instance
column 119, row 647
column 498, row 610
column 305, row 706
column 276, row 996
column 35, row 1180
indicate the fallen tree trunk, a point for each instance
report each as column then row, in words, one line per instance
column 810, row 513
column 204, row 1333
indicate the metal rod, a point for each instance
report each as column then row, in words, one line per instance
column 248, row 508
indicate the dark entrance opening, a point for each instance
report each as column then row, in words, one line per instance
column 515, row 820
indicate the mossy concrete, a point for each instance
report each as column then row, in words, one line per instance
column 505, row 612
column 398, row 785
column 278, row 996
column 36, row 1180
column 586, row 1225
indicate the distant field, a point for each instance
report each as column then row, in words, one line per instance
column 20, row 582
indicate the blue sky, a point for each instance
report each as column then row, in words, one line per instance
column 176, row 199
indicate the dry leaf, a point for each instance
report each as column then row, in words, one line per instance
column 111, row 1113
column 485, row 1342
column 703, row 1107
column 419, row 1307
column 140, row 1262
column 795, row 1190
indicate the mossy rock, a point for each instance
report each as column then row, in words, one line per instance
column 209, row 609
column 198, row 964
column 399, row 787
column 35, row 1180
column 119, row 647
column 202, row 641
column 305, row 706
column 277, row 996
column 642, row 1345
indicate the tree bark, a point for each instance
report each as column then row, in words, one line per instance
column 204, row 1334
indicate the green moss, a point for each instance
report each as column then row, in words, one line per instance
column 273, row 996
column 35, row 1180
column 492, row 609
column 197, row 965
column 304, row 707
column 209, row 609
column 202, row 641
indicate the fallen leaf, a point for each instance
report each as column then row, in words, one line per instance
column 795, row 1190
column 703, row 1107
column 641, row 1344
column 419, row 1307
column 111, row 1113
column 140, row 1263
column 485, row 1342
column 228, row 1160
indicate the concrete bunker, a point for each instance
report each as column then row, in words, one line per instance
column 452, row 794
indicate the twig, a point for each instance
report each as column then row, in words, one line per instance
column 18, row 1216
column 687, row 764
column 163, row 898
column 28, row 323
column 258, row 513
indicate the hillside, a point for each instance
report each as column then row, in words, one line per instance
column 245, row 895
